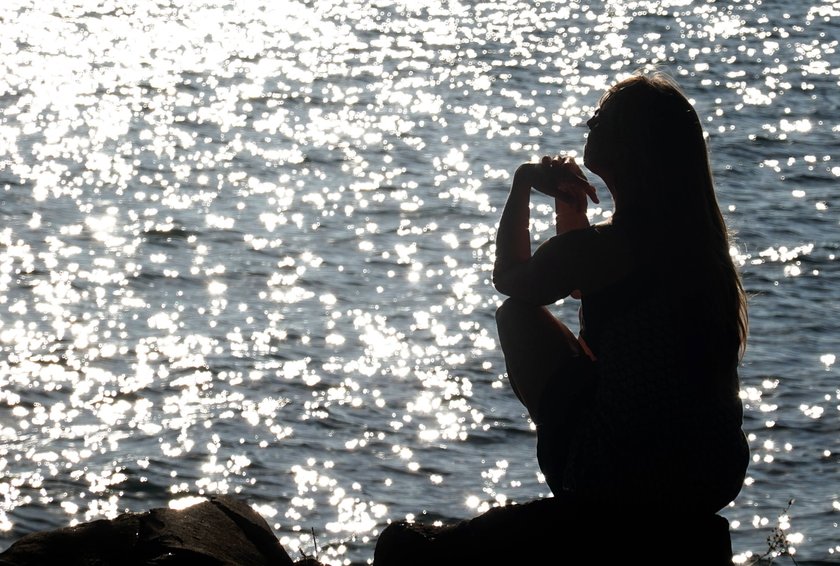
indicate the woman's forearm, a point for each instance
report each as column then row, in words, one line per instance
column 568, row 216
column 513, row 238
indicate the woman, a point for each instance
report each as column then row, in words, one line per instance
column 638, row 417
column 642, row 408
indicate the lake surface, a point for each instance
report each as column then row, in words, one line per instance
column 246, row 248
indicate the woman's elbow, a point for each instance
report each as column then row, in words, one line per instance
column 502, row 284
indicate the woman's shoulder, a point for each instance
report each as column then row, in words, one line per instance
column 600, row 255
column 607, row 229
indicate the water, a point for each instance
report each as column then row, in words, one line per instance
column 246, row 248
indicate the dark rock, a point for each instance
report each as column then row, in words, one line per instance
column 535, row 533
column 222, row 531
column 225, row 531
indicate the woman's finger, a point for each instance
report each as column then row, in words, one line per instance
column 576, row 190
column 591, row 193
column 569, row 176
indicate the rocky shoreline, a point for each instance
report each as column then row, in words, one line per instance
column 226, row 531
column 220, row 531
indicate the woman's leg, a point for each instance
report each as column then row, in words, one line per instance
column 536, row 346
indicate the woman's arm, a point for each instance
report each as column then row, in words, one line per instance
column 514, row 272
column 513, row 239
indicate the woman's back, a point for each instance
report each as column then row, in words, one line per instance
column 665, row 414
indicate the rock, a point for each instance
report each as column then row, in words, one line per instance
column 534, row 533
column 225, row 531
column 222, row 531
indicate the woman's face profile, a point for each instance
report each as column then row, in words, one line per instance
column 595, row 151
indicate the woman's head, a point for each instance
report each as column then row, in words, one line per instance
column 645, row 140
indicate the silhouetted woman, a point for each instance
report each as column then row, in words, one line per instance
column 639, row 420
column 642, row 408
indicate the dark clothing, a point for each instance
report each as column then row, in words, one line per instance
column 655, row 420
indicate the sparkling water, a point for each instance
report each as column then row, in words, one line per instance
column 246, row 248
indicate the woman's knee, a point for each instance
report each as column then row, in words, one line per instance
column 518, row 322
column 512, row 311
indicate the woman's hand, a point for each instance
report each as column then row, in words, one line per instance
column 571, row 184
column 559, row 177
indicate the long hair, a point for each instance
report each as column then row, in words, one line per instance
column 665, row 195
